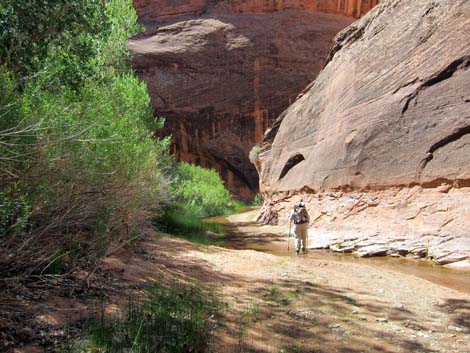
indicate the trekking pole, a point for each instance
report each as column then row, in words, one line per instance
column 288, row 240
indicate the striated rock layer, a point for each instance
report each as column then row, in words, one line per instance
column 352, row 8
column 148, row 9
column 386, row 126
column 221, row 79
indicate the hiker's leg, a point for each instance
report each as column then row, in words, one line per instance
column 303, row 236
column 297, row 238
column 297, row 244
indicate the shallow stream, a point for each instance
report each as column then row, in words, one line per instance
column 274, row 243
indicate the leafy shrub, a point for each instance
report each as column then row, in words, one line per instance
column 15, row 212
column 258, row 200
column 201, row 189
column 197, row 193
column 28, row 27
column 76, row 138
column 14, row 142
column 254, row 154
column 185, row 221
column 76, row 132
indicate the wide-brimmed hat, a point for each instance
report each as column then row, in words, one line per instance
column 299, row 204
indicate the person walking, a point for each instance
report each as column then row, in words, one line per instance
column 301, row 219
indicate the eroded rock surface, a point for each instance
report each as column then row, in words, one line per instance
column 391, row 110
column 149, row 9
column 398, row 221
column 221, row 79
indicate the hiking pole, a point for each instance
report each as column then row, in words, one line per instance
column 288, row 240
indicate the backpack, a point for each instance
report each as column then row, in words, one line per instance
column 303, row 215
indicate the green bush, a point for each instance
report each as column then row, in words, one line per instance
column 197, row 193
column 28, row 27
column 258, row 200
column 185, row 221
column 76, row 139
column 202, row 190
column 254, row 154
column 15, row 213
column 15, row 142
column 76, row 131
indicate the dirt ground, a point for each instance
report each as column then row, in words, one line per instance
column 282, row 303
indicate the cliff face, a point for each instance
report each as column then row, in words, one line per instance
column 352, row 8
column 147, row 9
column 390, row 108
column 389, row 113
column 221, row 76
column 169, row 8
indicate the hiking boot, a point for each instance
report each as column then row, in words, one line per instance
column 297, row 253
column 304, row 250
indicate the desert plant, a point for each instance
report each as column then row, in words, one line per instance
column 258, row 200
column 197, row 193
column 15, row 213
column 75, row 133
column 183, row 220
column 174, row 319
column 201, row 189
column 254, row 154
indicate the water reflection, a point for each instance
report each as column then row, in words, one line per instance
column 274, row 243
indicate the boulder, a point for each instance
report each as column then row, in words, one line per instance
column 343, row 248
column 451, row 258
column 372, row 250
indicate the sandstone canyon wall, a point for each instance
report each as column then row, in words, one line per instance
column 221, row 72
column 163, row 9
column 379, row 144
column 352, row 8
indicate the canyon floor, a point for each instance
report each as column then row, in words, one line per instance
column 277, row 302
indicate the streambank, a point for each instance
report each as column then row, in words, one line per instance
column 275, row 302
column 246, row 233
column 401, row 222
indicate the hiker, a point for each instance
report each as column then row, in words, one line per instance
column 301, row 219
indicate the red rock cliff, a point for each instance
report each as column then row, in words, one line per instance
column 379, row 143
column 170, row 8
column 221, row 77
column 352, row 8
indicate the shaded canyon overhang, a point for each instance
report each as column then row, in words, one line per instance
column 221, row 77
